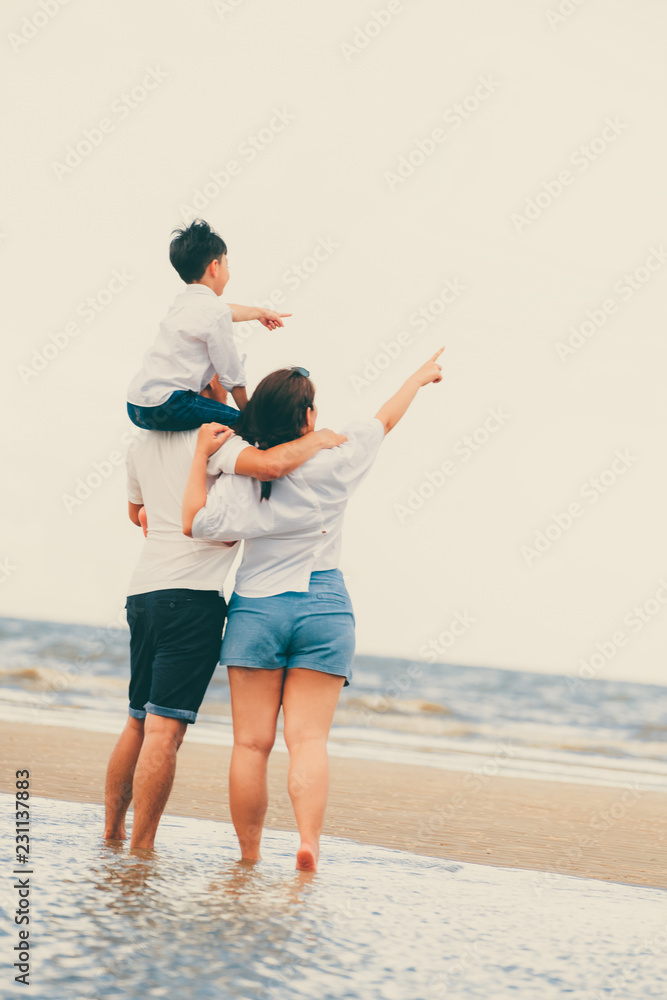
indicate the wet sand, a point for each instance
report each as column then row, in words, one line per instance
column 617, row 834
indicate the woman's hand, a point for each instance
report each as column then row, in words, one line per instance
column 431, row 371
column 394, row 408
column 211, row 436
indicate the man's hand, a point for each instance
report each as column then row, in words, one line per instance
column 330, row 439
column 211, row 436
column 270, row 319
column 431, row 371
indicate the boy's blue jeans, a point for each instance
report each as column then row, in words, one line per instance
column 183, row 411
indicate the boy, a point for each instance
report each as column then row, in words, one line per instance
column 195, row 342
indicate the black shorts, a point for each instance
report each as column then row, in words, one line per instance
column 174, row 648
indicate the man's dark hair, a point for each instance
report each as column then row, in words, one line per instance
column 276, row 412
column 193, row 248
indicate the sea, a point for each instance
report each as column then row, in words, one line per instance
column 188, row 920
column 524, row 724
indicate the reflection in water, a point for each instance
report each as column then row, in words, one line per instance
column 245, row 920
column 187, row 920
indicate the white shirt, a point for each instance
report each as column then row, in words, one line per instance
column 299, row 528
column 158, row 465
column 195, row 341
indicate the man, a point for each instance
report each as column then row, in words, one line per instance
column 176, row 613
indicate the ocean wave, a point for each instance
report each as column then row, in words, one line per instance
column 59, row 667
column 42, row 677
column 398, row 706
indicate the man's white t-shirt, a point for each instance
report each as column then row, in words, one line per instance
column 158, row 465
column 195, row 340
column 299, row 529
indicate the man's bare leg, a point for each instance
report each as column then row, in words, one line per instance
column 120, row 772
column 154, row 776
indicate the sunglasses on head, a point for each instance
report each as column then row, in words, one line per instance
column 300, row 371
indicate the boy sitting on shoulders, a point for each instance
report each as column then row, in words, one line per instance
column 195, row 342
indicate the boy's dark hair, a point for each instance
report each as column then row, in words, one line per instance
column 193, row 248
column 276, row 412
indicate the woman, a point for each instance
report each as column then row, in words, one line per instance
column 290, row 630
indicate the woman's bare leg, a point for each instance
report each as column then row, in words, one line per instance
column 309, row 701
column 256, row 697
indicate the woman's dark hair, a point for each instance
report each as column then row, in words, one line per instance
column 276, row 412
column 193, row 248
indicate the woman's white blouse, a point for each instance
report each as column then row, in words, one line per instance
column 298, row 530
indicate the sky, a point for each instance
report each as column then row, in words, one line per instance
column 400, row 176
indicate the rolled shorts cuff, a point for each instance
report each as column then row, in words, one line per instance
column 137, row 713
column 171, row 713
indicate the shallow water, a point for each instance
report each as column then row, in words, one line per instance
column 372, row 924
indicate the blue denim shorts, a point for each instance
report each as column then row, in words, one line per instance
column 183, row 411
column 312, row 629
column 174, row 647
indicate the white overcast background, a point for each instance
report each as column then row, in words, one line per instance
column 512, row 149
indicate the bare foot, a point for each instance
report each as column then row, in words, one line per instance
column 115, row 834
column 251, row 842
column 147, row 845
column 307, row 857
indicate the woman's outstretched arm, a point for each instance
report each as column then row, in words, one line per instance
column 394, row 408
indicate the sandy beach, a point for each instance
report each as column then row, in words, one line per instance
column 616, row 834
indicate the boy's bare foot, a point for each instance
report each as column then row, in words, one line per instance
column 307, row 857
column 215, row 390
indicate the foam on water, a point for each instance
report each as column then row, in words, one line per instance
column 376, row 924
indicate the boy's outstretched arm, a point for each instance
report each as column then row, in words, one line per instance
column 267, row 317
column 394, row 408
